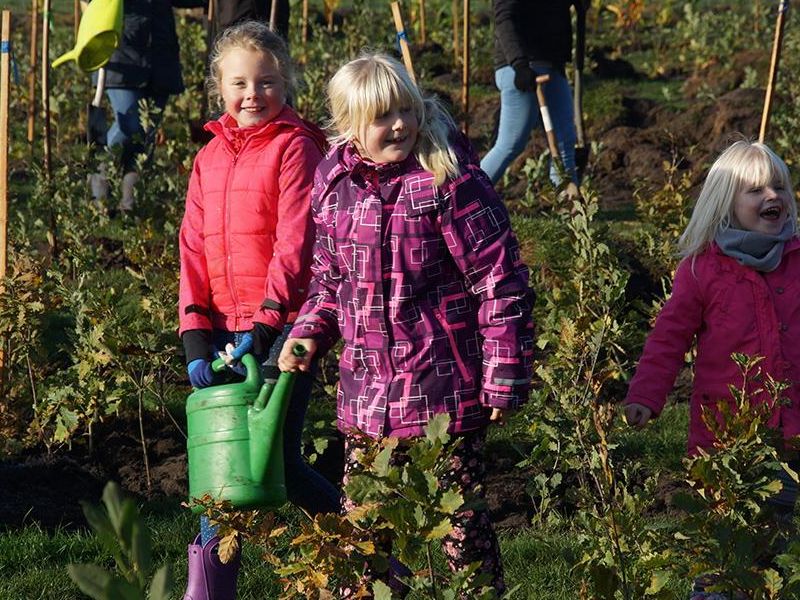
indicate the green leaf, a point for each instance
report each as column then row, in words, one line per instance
column 773, row 582
column 112, row 499
column 381, row 591
column 141, row 548
column 439, row 531
column 382, row 462
column 91, row 579
column 119, row 589
column 657, row 582
column 161, row 585
column 451, row 501
column 436, row 429
column 97, row 518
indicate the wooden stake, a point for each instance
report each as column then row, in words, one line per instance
column 76, row 18
column 34, row 50
column 401, row 36
column 46, row 85
column 456, row 50
column 5, row 83
column 273, row 14
column 773, row 69
column 423, row 34
column 305, row 25
column 465, row 70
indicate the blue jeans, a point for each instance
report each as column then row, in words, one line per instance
column 127, row 130
column 519, row 114
column 305, row 487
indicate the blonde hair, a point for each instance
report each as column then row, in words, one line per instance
column 255, row 36
column 366, row 88
column 742, row 164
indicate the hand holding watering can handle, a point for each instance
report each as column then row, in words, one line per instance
column 219, row 364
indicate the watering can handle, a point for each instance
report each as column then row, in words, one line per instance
column 218, row 365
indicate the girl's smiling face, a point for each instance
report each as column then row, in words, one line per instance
column 762, row 208
column 251, row 86
column 391, row 136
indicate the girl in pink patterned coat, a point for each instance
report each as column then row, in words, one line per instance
column 417, row 269
column 736, row 290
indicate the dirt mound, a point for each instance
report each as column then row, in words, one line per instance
column 633, row 152
column 47, row 489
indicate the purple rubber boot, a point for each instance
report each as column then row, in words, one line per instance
column 209, row 578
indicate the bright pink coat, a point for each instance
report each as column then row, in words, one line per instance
column 247, row 236
column 728, row 308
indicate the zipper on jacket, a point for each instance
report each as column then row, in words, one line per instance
column 227, row 237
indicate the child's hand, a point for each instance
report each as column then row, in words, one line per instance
column 499, row 416
column 637, row 415
column 287, row 361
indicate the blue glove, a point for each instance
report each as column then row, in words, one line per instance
column 243, row 348
column 200, row 373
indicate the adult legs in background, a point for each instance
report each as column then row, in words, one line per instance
column 519, row 114
column 232, row 11
column 128, row 132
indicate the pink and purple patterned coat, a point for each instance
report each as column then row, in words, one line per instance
column 427, row 288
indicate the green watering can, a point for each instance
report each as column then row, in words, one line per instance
column 235, row 438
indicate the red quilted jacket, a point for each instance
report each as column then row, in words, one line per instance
column 247, row 235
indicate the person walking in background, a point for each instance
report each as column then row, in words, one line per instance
column 736, row 290
column 145, row 66
column 532, row 38
column 417, row 269
column 245, row 245
column 234, row 11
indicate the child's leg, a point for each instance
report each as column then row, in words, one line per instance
column 781, row 510
column 305, row 486
column 473, row 538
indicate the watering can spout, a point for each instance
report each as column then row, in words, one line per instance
column 265, row 423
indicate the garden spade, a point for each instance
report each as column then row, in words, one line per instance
column 552, row 144
column 581, row 149
column 96, row 127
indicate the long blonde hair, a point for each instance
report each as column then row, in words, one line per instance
column 367, row 87
column 255, row 36
column 743, row 163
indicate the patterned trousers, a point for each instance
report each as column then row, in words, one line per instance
column 473, row 538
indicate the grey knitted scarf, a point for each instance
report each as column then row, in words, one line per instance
column 753, row 249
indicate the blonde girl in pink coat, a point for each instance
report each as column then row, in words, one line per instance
column 737, row 289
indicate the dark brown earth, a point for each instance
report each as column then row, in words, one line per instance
column 46, row 488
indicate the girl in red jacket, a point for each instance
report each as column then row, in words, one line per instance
column 736, row 290
column 245, row 245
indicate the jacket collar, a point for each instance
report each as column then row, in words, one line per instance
column 352, row 161
column 222, row 126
